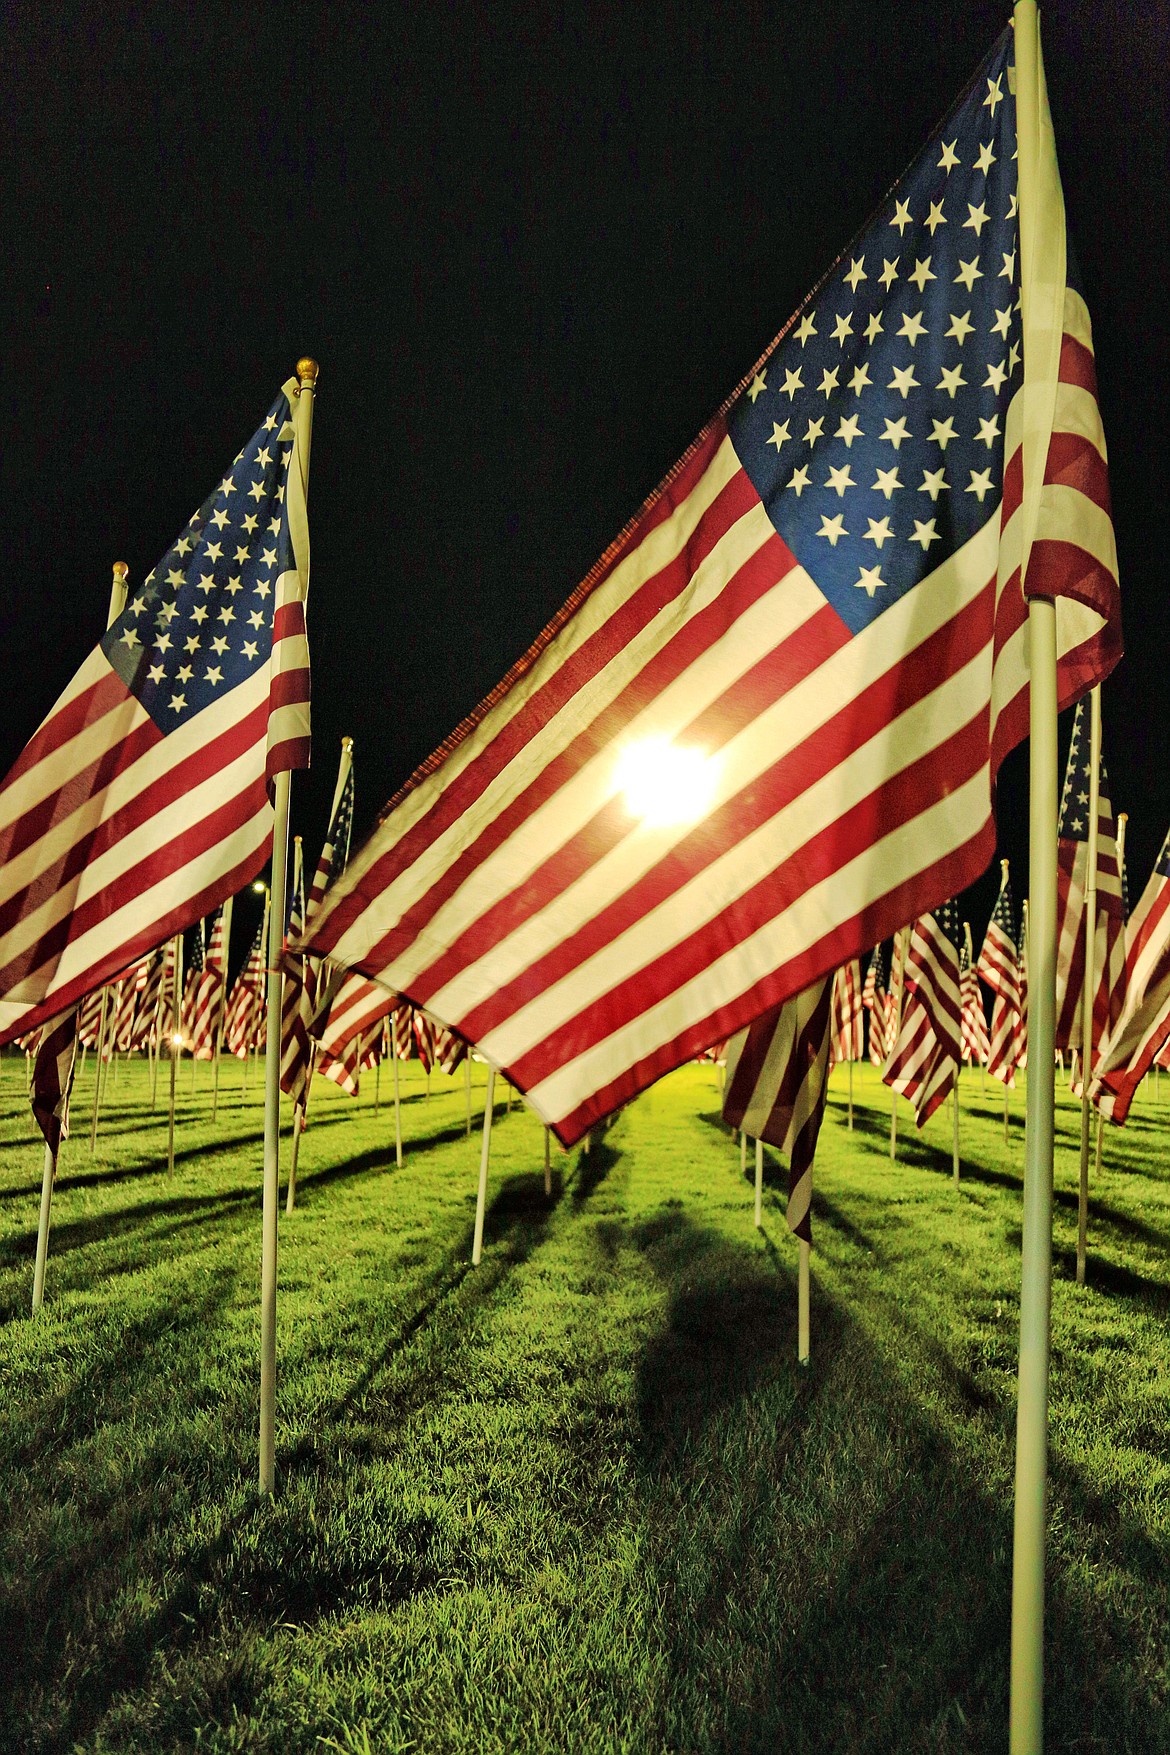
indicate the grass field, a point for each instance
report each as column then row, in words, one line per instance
column 581, row 1498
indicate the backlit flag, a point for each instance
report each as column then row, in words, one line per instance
column 142, row 800
column 976, row 1044
column 924, row 1060
column 146, row 1023
column 52, row 1079
column 847, row 1040
column 89, row 1020
column 302, row 995
column 191, row 977
column 450, row 1049
column 777, row 1074
column 1072, row 877
column 207, row 1001
column 245, row 1009
column 763, row 732
column 999, row 968
column 1142, row 1034
column 873, row 998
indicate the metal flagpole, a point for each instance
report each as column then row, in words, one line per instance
column 467, row 1086
column 743, row 1151
column 97, row 1069
column 397, row 1107
column 899, row 978
column 1089, row 988
column 222, row 1019
column 302, row 415
column 955, row 1117
column 485, row 1153
column 547, row 1167
column 803, row 1348
column 759, row 1185
column 1042, row 285
column 849, row 1063
column 47, row 1178
column 176, row 1047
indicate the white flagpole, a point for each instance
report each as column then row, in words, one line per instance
column 849, row 1064
column 222, row 1019
column 955, row 1116
column 484, row 1155
column 97, row 1069
column 47, row 1178
column 397, row 1107
column 803, row 1347
column 743, row 1151
column 759, row 1185
column 176, row 1047
column 899, row 977
column 302, row 415
column 1089, row 989
column 547, row 1167
column 1042, row 242
column 467, row 1085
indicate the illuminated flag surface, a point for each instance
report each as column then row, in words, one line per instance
column 142, row 799
column 762, row 733
column 1142, row 1034
column 1072, row 877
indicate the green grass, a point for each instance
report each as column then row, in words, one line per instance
column 581, row 1498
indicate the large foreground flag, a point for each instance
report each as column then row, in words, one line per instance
column 777, row 1075
column 763, row 733
column 1142, row 1033
column 142, row 800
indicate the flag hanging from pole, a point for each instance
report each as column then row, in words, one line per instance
column 303, row 998
column 777, row 1075
column 208, row 993
column 999, row 968
column 1141, row 1037
column 873, row 998
column 52, row 1079
column 1072, row 880
column 245, row 1009
column 976, row 1044
column 847, row 1040
column 923, row 1062
column 764, row 731
column 142, row 799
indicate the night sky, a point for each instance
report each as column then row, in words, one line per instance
column 533, row 250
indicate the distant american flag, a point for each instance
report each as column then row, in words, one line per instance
column 999, row 968
column 848, row 1023
column 1141, row 1037
column 1072, row 877
column 873, row 999
column 303, row 989
column 208, row 996
column 814, row 629
column 142, row 799
column 777, row 1074
column 976, row 1044
column 924, row 1060
column 52, row 1080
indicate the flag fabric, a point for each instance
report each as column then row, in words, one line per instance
column 974, row 1041
column 873, row 998
column 352, row 1009
column 999, row 968
column 146, row 1022
column 191, row 978
column 847, row 1038
column 52, row 1079
column 343, row 1069
column 245, row 1011
column 924, row 1060
column 764, row 730
column 1072, row 878
column 424, row 1036
column 207, row 997
column 402, row 1030
column 142, row 799
column 122, row 1028
column 777, row 1075
column 89, row 1019
column 1021, row 1048
column 450, row 1049
column 1141, row 1037
column 302, row 993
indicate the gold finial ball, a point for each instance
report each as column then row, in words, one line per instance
column 121, row 569
column 307, row 370
column 347, row 743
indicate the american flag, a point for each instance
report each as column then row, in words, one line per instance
column 89, row 1019
column 245, row 1009
column 873, row 998
column 847, row 1040
column 999, row 968
column 976, row 1044
column 52, row 1079
column 1071, row 877
column 924, row 1060
column 424, row 1036
column 207, row 999
column 191, row 978
column 763, row 732
column 402, row 1030
column 159, row 970
column 450, row 1049
column 130, row 990
column 777, row 1074
column 142, row 799
column 1141, row 1037
column 302, row 995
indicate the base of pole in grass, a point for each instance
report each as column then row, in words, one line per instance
column 397, row 1119
column 850, row 1065
column 50, row 1170
column 743, row 1151
column 759, row 1185
column 467, row 1088
column 485, row 1154
column 547, row 1167
column 803, row 1349
column 955, row 1147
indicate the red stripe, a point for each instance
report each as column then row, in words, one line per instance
column 64, row 723
column 1077, row 365
column 1074, row 462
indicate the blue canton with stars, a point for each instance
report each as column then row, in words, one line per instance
column 874, row 432
column 1074, row 799
column 201, row 623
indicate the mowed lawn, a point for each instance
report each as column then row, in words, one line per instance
column 581, row 1498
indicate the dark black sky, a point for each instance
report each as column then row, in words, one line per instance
column 533, row 249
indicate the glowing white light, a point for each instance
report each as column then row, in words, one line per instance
column 664, row 784
column 176, row 1041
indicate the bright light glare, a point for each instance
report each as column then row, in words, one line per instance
column 176, row 1041
column 666, row 785
column 259, row 888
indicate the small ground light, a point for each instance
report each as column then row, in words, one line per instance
column 665, row 784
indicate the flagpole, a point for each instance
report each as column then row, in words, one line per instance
column 955, row 1115
column 803, row 1347
column 1042, row 296
column 222, row 1019
column 48, row 1177
column 898, row 975
column 759, row 1185
column 743, row 1151
column 302, row 415
column 397, row 1106
column 467, row 1083
column 1089, row 988
column 850, row 1066
column 176, row 1044
column 97, row 1070
column 485, row 1153
column 547, row 1167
